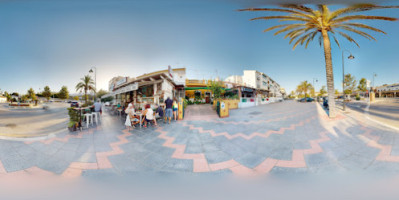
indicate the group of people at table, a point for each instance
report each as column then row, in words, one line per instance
column 149, row 116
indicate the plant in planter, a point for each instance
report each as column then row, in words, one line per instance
column 73, row 119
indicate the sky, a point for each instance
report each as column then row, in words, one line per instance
column 56, row 42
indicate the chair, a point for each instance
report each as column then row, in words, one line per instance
column 89, row 119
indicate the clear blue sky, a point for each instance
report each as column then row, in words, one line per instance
column 55, row 42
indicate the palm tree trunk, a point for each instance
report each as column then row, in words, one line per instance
column 86, row 97
column 329, row 74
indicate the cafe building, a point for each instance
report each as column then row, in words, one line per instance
column 153, row 88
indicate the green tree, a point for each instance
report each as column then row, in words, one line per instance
column 101, row 93
column 336, row 92
column 362, row 87
column 304, row 87
column 349, row 84
column 31, row 95
column 85, row 85
column 322, row 91
column 15, row 94
column 76, row 98
column 8, row 96
column 46, row 93
column 24, row 98
column 64, row 93
column 305, row 24
column 216, row 88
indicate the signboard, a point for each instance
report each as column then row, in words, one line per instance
column 368, row 82
column 246, row 89
column 128, row 88
column 121, row 81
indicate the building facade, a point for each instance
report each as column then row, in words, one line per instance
column 388, row 90
column 152, row 88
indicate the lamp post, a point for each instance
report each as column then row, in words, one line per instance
column 314, row 87
column 343, row 75
column 95, row 82
column 374, row 75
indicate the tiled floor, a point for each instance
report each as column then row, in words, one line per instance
column 278, row 139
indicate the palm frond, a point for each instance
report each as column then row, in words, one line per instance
column 336, row 41
column 349, row 38
column 360, row 17
column 301, row 40
column 292, row 26
column 298, row 7
column 364, row 34
column 357, row 8
column 276, row 27
column 359, row 25
column 311, row 38
column 273, row 9
column 281, row 17
column 320, row 39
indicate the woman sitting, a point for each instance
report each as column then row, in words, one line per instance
column 149, row 115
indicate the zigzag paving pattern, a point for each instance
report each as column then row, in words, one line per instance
column 281, row 139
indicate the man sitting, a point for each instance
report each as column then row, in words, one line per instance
column 159, row 111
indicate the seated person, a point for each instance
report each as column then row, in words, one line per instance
column 148, row 113
column 159, row 111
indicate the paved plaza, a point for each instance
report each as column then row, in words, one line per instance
column 279, row 140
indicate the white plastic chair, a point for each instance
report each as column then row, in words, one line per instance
column 89, row 119
column 95, row 116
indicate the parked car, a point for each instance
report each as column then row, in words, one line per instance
column 308, row 99
column 69, row 101
column 74, row 104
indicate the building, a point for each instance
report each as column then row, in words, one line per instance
column 387, row 90
column 262, row 83
column 152, row 88
column 3, row 99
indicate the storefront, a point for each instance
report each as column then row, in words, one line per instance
column 153, row 88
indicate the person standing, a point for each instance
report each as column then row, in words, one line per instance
column 129, row 114
column 175, row 108
column 168, row 110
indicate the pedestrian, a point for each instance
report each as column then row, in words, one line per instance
column 175, row 108
column 159, row 111
column 149, row 115
column 129, row 115
column 98, row 107
column 168, row 110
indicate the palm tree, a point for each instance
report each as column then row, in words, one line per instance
column 307, row 23
column 86, row 84
column 305, row 86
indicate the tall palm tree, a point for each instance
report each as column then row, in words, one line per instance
column 307, row 23
column 86, row 84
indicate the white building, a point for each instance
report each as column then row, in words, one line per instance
column 3, row 99
column 258, row 80
column 388, row 90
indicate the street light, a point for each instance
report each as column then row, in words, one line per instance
column 314, row 87
column 95, row 82
column 351, row 57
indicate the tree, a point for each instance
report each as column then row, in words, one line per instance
column 76, row 98
column 216, row 88
column 8, row 96
column 307, row 23
column 85, row 85
column 292, row 95
column 349, row 84
column 101, row 93
column 64, row 93
column 304, row 87
column 46, row 93
column 24, row 98
column 336, row 92
column 362, row 87
column 15, row 94
column 322, row 91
